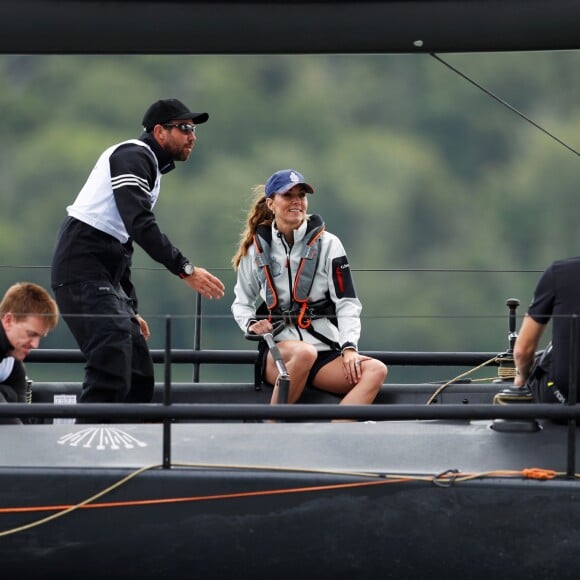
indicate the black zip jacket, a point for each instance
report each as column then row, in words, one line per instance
column 13, row 389
column 84, row 252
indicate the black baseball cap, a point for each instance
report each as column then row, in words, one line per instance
column 165, row 110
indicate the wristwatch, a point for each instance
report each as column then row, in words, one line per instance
column 186, row 270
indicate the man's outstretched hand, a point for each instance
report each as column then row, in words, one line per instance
column 205, row 283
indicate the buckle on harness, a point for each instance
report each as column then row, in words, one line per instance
column 303, row 317
column 295, row 317
column 304, row 314
column 288, row 317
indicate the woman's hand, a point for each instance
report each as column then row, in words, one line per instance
column 260, row 327
column 352, row 365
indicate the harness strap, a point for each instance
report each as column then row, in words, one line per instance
column 308, row 312
column 309, row 260
column 334, row 345
column 263, row 262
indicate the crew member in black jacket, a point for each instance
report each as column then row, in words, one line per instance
column 91, row 267
column 27, row 314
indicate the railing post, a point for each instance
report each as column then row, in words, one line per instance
column 197, row 336
column 572, row 396
column 167, row 395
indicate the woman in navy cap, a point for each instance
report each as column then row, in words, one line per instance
column 300, row 271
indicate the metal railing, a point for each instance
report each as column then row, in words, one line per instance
column 166, row 412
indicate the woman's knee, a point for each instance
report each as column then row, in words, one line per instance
column 304, row 353
column 376, row 370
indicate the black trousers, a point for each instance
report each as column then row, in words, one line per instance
column 119, row 366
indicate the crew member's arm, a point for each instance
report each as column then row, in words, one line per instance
column 13, row 389
column 525, row 348
column 348, row 308
column 343, row 294
column 133, row 174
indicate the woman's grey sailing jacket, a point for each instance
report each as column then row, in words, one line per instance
column 331, row 284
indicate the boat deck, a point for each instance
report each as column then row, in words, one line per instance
column 399, row 447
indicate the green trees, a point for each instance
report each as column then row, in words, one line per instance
column 429, row 181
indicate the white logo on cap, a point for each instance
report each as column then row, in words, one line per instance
column 294, row 178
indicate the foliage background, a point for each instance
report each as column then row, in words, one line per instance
column 447, row 201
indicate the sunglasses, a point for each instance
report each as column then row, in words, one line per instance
column 183, row 127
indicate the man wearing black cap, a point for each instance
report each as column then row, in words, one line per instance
column 91, row 267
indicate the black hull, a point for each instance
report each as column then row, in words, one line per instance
column 287, row 501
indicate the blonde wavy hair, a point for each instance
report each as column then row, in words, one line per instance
column 258, row 215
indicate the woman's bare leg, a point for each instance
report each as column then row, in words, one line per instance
column 298, row 357
column 333, row 378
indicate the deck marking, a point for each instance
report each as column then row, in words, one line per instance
column 101, row 438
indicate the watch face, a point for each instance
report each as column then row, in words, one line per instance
column 188, row 269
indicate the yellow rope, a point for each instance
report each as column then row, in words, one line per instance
column 506, row 372
column 450, row 476
column 78, row 505
column 444, row 386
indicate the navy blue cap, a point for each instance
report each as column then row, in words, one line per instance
column 285, row 179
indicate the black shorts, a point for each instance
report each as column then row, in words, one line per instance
column 323, row 358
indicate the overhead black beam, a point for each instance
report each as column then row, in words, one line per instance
column 291, row 27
